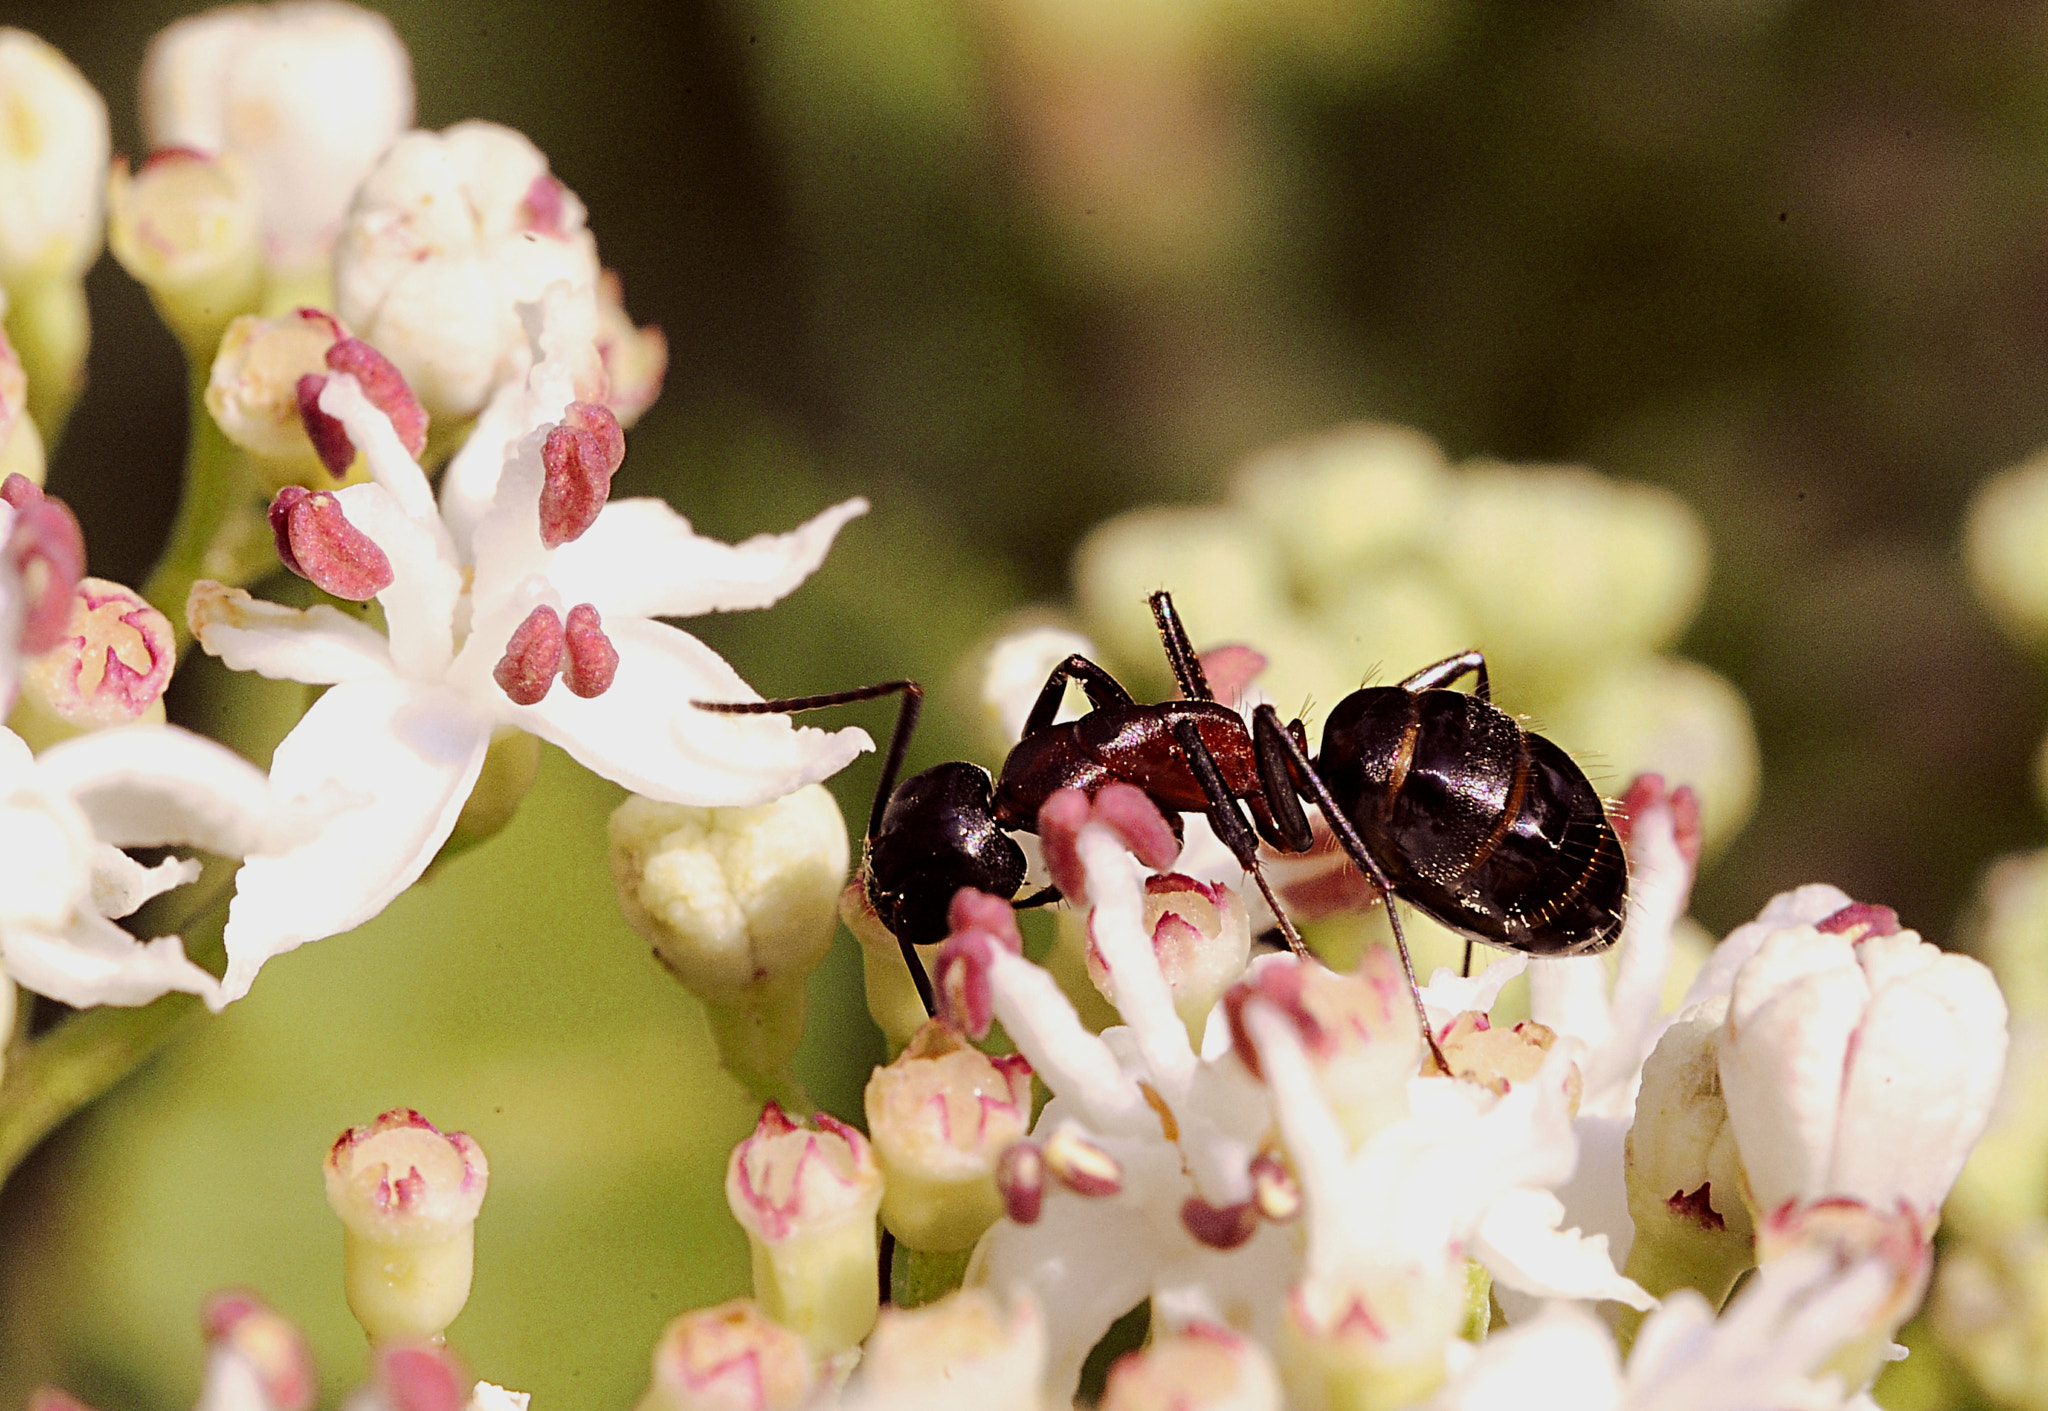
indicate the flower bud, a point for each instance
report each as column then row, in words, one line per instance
column 110, row 668
column 252, row 392
column 960, row 1351
column 891, row 992
column 408, row 1196
column 450, row 233
column 1202, row 937
column 635, row 359
column 256, row 1358
column 186, row 227
column 1307, row 494
column 807, row 1200
column 1201, row 1368
column 740, row 905
column 1850, row 1232
column 729, row 1358
column 1015, row 670
column 940, row 1117
column 306, row 93
column 1376, row 1339
column 2005, row 528
column 21, row 445
column 53, row 165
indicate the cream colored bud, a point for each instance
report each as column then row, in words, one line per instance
column 807, row 1198
column 110, row 668
column 891, row 993
column 53, row 164
column 1200, row 1368
column 187, row 227
column 729, row 1358
column 308, row 93
column 940, row 1117
column 408, row 1196
column 1377, row 1340
column 963, row 1350
column 1393, row 620
column 2003, row 533
column 252, row 392
column 1015, row 670
column 1340, row 501
column 1202, row 937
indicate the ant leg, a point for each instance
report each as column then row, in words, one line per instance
column 1354, row 847
column 1465, row 970
column 899, row 740
column 1044, row 896
column 1229, row 823
column 1180, row 653
column 1290, row 831
column 1450, row 669
column 1103, row 691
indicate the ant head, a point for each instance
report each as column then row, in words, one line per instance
column 938, row 835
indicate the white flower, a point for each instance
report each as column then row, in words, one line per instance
column 402, row 732
column 448, row 236
column 308, row 93
column 53, row 163
column 65, row 815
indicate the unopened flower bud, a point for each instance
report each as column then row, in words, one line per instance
column 46, row 550
column 1307, row 495
column 729, row 1358
column 886, row 981
column 1202, row 937
column 110, row 668
column 252, row 393
column 1897, row 1240
column 635, row 359
column 1201, row 1368
column 307, row 93
column 256, row 1357
column 2006, row 526
column 962, row 1350
column 53, row 165
column 408, row 1196
column 1015, row 670
column 807, row 1199
column 511, row 764
column 1376, row 1340
column 940, row 1117
column 186, row 226
column 449, row 234
column 740, row 904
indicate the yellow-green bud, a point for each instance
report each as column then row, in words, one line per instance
column 729, row 1358
column 1341, row 501
column 2003, row 540
column 189, row 228
column 1201, row 1368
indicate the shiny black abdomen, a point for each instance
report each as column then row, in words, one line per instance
column 937, row 837
column 1490, row 829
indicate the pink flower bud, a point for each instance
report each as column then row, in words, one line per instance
column 408, row 1196
column 250, row 1340
column 729, row 1358
column 316, row 541
column 807, row 1198
column 1200, row 1368
column 111, row 666
column 941, row 1116
column 47, row 550
column 1202, row 938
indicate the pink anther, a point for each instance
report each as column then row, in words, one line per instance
column 1219, row 1226
column 574, row 485
column 1280, row 985
column 978, row 911
column 960, row 977
column 422, row 1378
column 1125, row 808
column 592, row 661
column 1646, row 792
column 1020, row 1180
column 532, row 657
column 599, row 421
column 330, row 441
column 316, row 541
column 1859, row 921
column 543, row 205
column 385, row 387
column 47, row 548
column 1231, row 669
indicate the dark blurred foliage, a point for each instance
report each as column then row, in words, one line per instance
column 1789, row 259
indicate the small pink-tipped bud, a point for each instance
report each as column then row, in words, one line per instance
column 590, row 660
column 1128, row 811
column 1080, row 1165
column 1220, row 1226
column 960, row 981
column 189, row 228
column 316, row 541
column 110, row 668
column 941, row 1116
column 1200, row 1368
column 247, row 1339
column 807, row 1199
column 635, row 359
column 1274, row 1188
column 408, row 1196
column 533, row 657
column 1020, row 1181
column 961, row 1350
column 729, row 1358
column 421, row 1378
column 1202, row 937
column 47, row 549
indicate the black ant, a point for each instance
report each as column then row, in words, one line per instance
column 1440, row 798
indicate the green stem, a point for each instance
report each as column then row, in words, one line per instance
column 50, row 328
column 216, row 486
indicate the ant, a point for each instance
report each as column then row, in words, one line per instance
column 1438, row 797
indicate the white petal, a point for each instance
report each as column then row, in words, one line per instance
column 426, row 584
column 153, row 785
column 318, row 645
column 1520, row 1242
column 120, row 883
column 1449, row 994
column 1076, row 1065
column 641, row 557
column 1137, row 987
column 1802, row 906
column 93, row 961
column 644, row 734
column 391, row 465
column 407, row 757
column 1565, row 1358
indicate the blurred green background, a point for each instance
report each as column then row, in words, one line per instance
column 1010, row 266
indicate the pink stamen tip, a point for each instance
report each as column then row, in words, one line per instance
column 386, row 388
column 1232, row 668
column 533, row 656
column 408, row 1190
column 1144, row 829
column 1020, row 1180
column 1219, row 1227
column 961, row 981
column 544, row 206
column 48, row 551
column 599, row 421
column 325, row 319
column 574, row 486
column 316, row 541
column 1860, row 921
column 1060, row 821
column 423, row 1379
column 592, row 659
column 1685, row 822
column 1279, row 985
column 170, row 156
column 330, row 440
column 978, row 911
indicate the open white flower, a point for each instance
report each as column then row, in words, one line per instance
column 476, row 637
column 65, row 816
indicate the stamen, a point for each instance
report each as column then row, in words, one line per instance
column 330, row 441
column 1020, row 1180
column 1080, row 1165
column 532, row 657
column 543, row 205
column 48, row 550
column 978, row 911
column 575, row 486
column 316, row 541
column 961, row 976
column 386, row 388
column 1274, row 1189
column 1859, row 921
column 592, row 659
column 1219, row 1227
column 599, row 421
